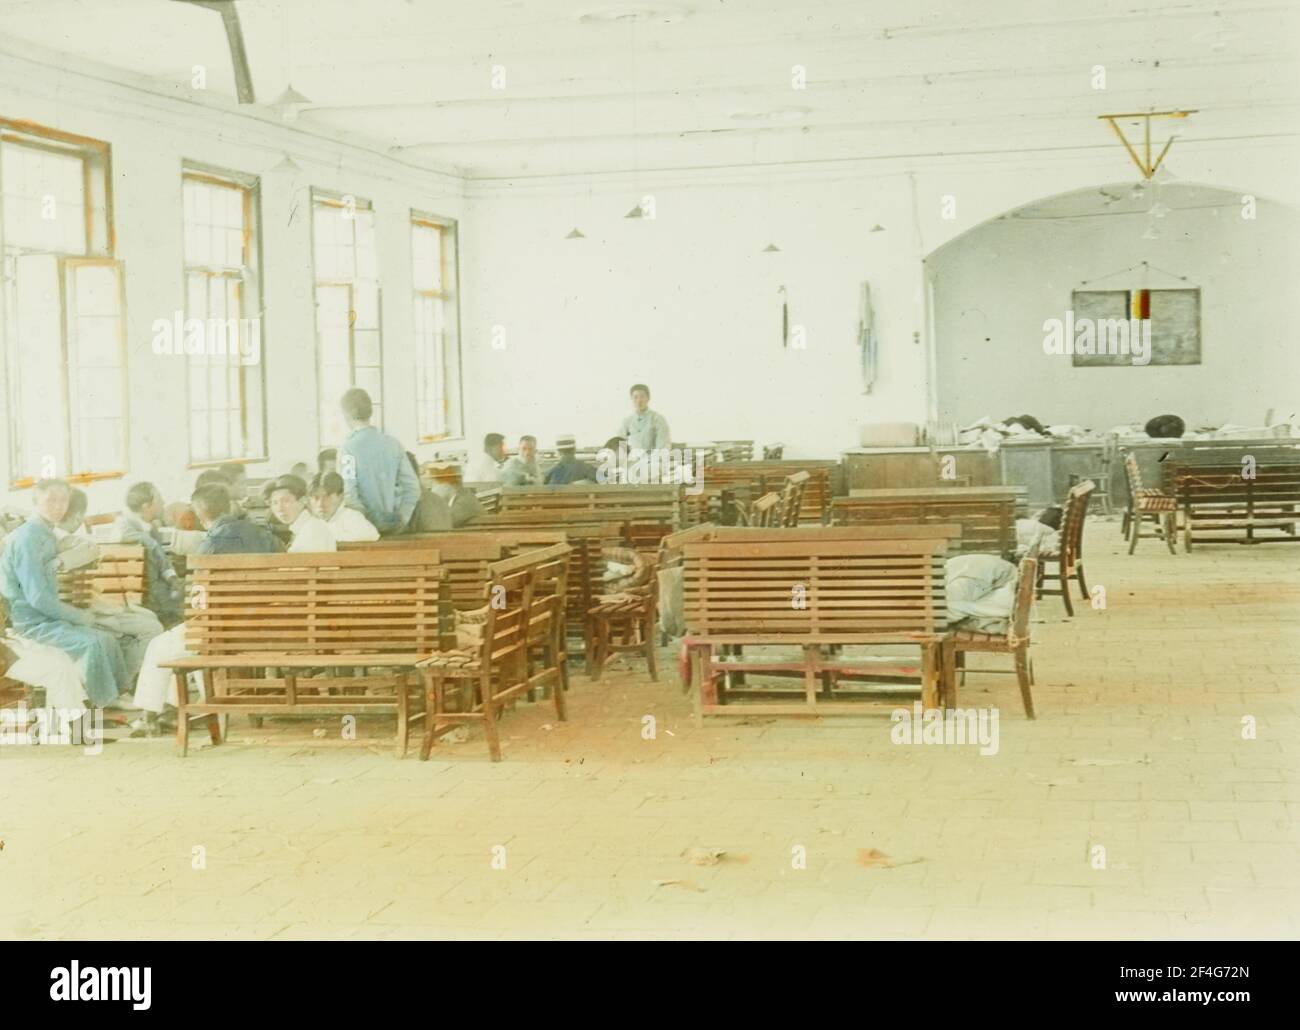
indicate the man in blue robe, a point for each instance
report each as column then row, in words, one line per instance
column 29, row 583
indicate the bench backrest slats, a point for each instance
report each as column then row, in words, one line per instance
column 341, row 603
column 800, row 591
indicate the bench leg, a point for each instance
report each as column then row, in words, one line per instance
column 1063, row 577
column 216, row 723
column 948, row 684
column 930, row 676
column 648, row 637
column 1023, row 675
column 490, row 717
column 432, row 709
column 1171, row 533
column 1134, row 532
column 182, row 713
column 403, row 711
column 1083, row 583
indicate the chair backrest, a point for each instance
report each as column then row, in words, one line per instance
column 774, row 452
column 831, row 590
column 792, row 497
column 1018, row 627
column 1076, row 509
column 509, row 618
column 764, row 511
column 361, row 602
column 1134, row 474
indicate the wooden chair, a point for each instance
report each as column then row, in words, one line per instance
column 792, row 498
column 774, row 452
column 1144, row 503
column 475, row 684
column 765, row 511
column 629, row 616
column 1068, row 560
column 1014, row 642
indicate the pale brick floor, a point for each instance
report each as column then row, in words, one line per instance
column 1137, row 748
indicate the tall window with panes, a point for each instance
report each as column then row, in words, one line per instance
column 349, row 346
column 63, row 300
column 223, row 329
column 436, row 323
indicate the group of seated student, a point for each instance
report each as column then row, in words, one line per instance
column 643, row 430
column 368, row 488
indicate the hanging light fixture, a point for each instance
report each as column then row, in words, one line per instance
column 771, row 248
column 877, row 228
column 289, row 103
column 287, row 164
column 576, row 234
column 636, row 212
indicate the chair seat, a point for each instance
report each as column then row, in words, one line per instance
column 1156, row 502
column 463, row 660
column 617, row 604
column 973, row 636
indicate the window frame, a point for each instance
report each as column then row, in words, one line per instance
column 336, row 199
column 250, row 186
column 449, row 295
column 100, row 244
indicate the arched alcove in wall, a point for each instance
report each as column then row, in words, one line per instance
column 995, row 288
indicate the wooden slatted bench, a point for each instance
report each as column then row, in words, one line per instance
column 802, row 589
column 257, row 623
column 1219, row 503
column 987, row 515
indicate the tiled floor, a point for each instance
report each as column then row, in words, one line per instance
column 1132, row 807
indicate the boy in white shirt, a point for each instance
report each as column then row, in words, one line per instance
column 289, row 506
column 346, row 524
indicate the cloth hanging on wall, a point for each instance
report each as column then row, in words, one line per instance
column 867, row 342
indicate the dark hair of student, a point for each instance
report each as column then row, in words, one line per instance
column 210, row 477
column 212, row 500
column 639, row 386
column 1051, row 517
column 231, row 471
column 327, row 483
column 356, row 404
column 78, row 502
column 328, row 454
column 492, row 440
column 139, row 495
column 528, row 439
column 296, row 485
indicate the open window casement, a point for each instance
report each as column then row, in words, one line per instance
column 67, row 373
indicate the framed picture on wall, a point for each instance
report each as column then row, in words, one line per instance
column 1175, row 317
